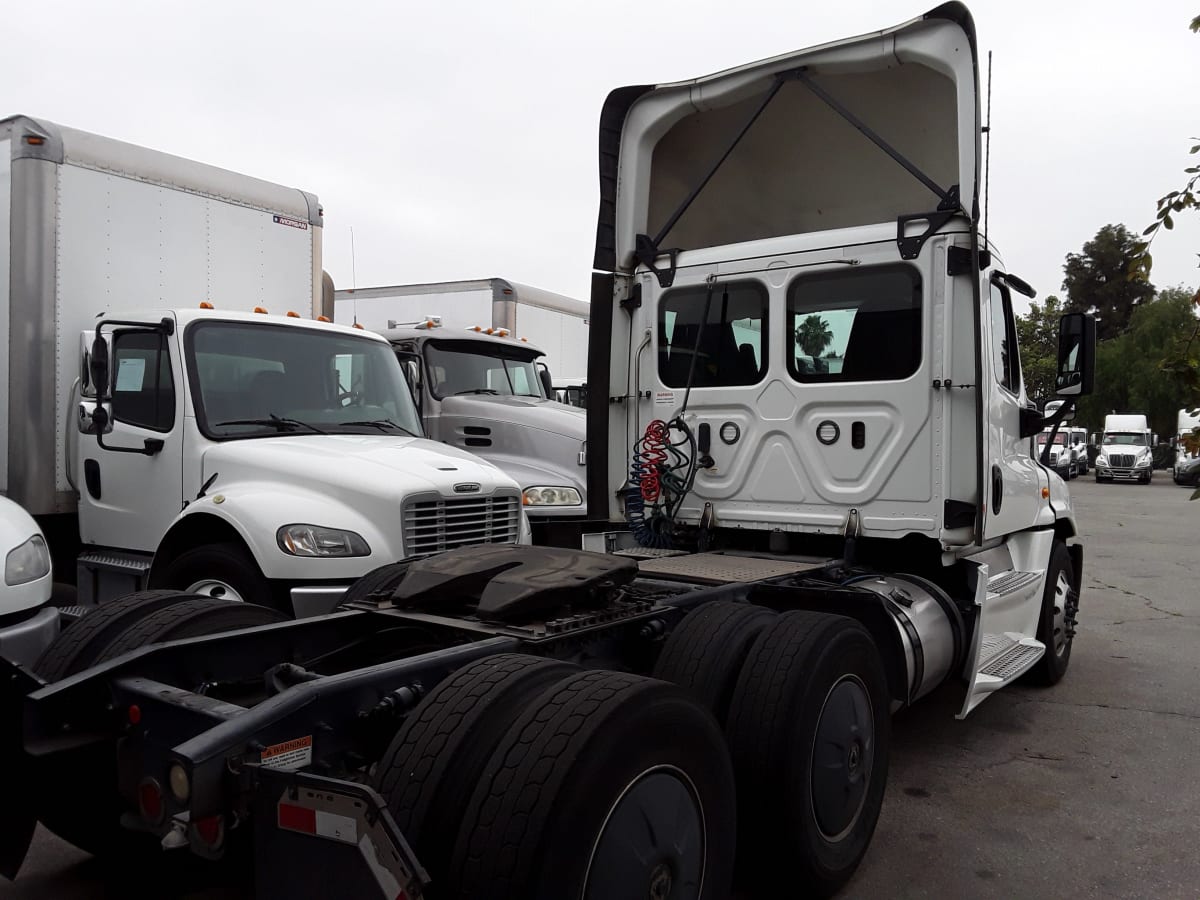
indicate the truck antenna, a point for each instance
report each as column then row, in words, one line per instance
column 987, row 153
column 353, row 274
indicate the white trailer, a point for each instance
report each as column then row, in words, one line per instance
column 556, row 323
column 124, row 461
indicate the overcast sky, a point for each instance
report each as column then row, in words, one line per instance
column 459, row 139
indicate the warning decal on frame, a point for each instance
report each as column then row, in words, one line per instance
column 288, row 755
column 664, row 397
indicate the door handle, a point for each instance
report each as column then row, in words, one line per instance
column 997, row 489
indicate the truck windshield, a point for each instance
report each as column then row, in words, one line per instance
column 252, row 380
column 1120, row 437
column 474, row 367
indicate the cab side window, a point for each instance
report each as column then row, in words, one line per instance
column 143, row 390
column 1006, row 356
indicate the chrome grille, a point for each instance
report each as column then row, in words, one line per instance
column 435, row 524
column 1121, row 460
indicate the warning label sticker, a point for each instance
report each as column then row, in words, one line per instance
column 288, row 755
column 291, row 223
column 664, row 397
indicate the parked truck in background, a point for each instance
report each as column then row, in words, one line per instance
column 556, row 323
column 1186, row 469
column 795, row 551
column 28, row 621
column 165, row 445
column 490, row 394
column 1125, row 449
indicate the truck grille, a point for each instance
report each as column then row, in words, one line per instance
column 1121, row 460
column 440, row 524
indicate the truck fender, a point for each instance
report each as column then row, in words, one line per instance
column 255, row 510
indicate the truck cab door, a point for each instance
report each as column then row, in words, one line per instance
column 128, row 499
column 1012, row 479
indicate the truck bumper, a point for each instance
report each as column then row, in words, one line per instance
column 24, row 641
column 1122, row 474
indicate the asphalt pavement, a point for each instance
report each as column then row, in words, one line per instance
column 1087, row 789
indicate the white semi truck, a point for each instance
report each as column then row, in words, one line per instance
column 28, row 622
column 120, row 393
column 1125, row 449
column 809, row 431
column 489, row 393
column 1186, row 469
column 554, row 322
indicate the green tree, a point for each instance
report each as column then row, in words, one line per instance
column 1037, row 335
column 814, row 335
column 1097, row 281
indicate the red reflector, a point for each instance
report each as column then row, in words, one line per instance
column 135, row 714
column 150, row 800
column 209, row 830
column 297, row 818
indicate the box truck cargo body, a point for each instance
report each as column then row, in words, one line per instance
column 164, row 428
column 556, row 323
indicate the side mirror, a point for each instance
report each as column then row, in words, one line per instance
column 1076, row 355
column 98, row 367
column 1094, row 438
column 547, row 382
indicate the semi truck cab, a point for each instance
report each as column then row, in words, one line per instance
column 488, row 392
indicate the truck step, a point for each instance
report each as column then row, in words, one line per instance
column 1004, row 658
column 102, row 575
column 1011, row 581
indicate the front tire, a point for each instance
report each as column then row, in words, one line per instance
column 220, row 571
column 1056, row 624
column 809, row 731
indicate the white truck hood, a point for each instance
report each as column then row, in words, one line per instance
column 17, row 527
column 373, row 465
column 533, row 412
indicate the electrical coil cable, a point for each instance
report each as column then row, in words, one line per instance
column 661, row 473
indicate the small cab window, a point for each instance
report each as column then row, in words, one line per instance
column 1005, row 355
column 731, row 347
column 854, row 326
column 143, row 391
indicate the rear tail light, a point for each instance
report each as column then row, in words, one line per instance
column 210, row 831
column 150, row 801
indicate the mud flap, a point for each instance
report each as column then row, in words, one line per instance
column 16, row 683
column 323, row 837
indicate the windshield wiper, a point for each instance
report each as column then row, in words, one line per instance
column 381, row 424
column 279, row 422
column 477, row 391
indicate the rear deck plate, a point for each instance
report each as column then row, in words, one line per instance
column 721, row 568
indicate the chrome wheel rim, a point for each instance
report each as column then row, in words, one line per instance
column 1062, row 598
column 215, row 588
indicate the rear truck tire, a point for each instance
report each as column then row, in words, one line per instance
column 809, row 731
column 438, row 755
column 220, row 571
column 705, row 652
column 1056, row 625
column 384, row 578
column 80, row 646
column 84, row 808
column 609, row 785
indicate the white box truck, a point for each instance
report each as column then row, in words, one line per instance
column 1125, row 449
column 556, row 323
column 119, row 394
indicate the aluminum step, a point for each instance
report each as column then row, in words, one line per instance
column 725, row 568
column 1003, row 658
column 1012, row 581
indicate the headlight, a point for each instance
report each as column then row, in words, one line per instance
column 551, row 496
column 28, row 562
column 313, row 540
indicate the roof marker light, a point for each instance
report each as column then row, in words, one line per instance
column 292, row 314
column 477, row 328
column 357, row 325
column 491, row 331
column 324, row 319
column 261, row 310
column 204, row 304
